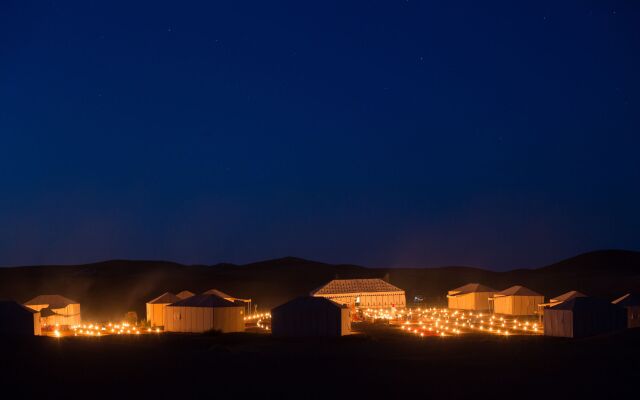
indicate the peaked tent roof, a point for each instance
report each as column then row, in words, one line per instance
column 204, row 300
column 581, row 303
column 165, row 298
column 518, row 290
column 568, row 296
column 471, row 288
column 308, row 302
column 53, row 301
column 185, row 294
column 628, row 300
column 218, row 293
column 338, row 286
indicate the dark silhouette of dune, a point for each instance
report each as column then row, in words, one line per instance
column 108, row 289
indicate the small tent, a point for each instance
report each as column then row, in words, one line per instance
column 185, row 294
column 16, row 319
column 582, row 317
column 156, row 308
column 362, row 293
column 472, row 296
column 56, row 310
column 516, row 300
column 202, row 313
column 631, row 302
column 310, row 317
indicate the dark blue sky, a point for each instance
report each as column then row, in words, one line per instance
column 384, row 133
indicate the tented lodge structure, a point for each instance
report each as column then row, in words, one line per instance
column 156, row 308
column 185, row 294
column 582, row 317
column 631, row 302
column 16, row 319
column 516, row 300
column 472, row 296
column 56, row 310
column 244, row 302
column 364, row 293
column 565, row 297
column 310, row 316
column 202, row 313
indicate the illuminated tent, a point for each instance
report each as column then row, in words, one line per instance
column 365, row 293
column 632, row 303
column 244, row 302
column 472, row 296
column 310, row 317
column 56, row 310
column 156, row 308
column 185, row 294
column 16, row 319
column 202, row 313
column 582, row 317
column 516, row 300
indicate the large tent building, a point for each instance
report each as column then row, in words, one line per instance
column 516, row 300
column 631, row 302
column 554, row 301
column 16, row 319
column 582, row 317
column 156, row 308
column 244, row 302
column 472, row 296
column 310, row 317
column 56, row 310
column 364, row 293
column 202, row 313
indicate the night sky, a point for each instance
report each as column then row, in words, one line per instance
column 383, row 133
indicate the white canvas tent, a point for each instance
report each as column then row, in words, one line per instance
column 631, row 302
column 472, row 296
column 16, row 319
column 363, row 293
column 516, row 300
column 156, row 308
column 310, row 317
column 582, row 317
column 202, row 313
column 56, row 310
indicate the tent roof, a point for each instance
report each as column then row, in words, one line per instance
column 338, row 286
column 628, row 300
column 568, row 296
column 309, row 302
column 203, row 300
column 218, row 293
column 518, row 290
column 165, row 298
column 10, row 305
column 184, row 294
column 471, row 288
column 580, row 303
column 52, row 300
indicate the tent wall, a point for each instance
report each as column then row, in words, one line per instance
column 633, row 317
column 203, row 319
column 369, row 300
column 517, row 305
column 558, row 323
column 478, row 301
column 324, row 320
column 67, row 316
column 17, row 321
column 156, row 314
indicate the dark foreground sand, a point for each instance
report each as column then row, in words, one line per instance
column 381, row 362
